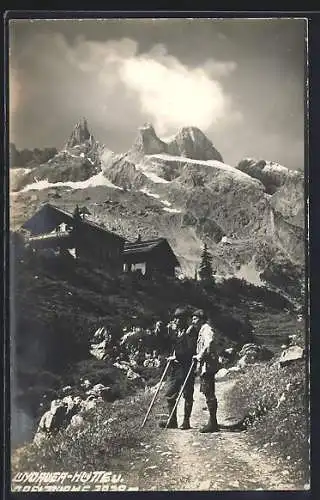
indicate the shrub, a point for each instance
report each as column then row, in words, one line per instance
column 275, row 401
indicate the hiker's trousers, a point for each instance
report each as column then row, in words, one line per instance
column 176, row 378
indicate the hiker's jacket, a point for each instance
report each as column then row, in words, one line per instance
column 185, row 344
column 206, row 350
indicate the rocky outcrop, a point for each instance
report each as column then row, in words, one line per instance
column 289, row 200
column 190, row 142
column 270, row 173
column 290, row 355
column 80, row 135
column 147, row 141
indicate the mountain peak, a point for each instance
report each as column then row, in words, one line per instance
column 191, row 142
column 80, row 134
column 147, row 141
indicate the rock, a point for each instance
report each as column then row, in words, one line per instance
column 99, row 350
column 100, row 391
column 234, row 369
column 132, row 375
column 91, row 402
column 252, row 348
column 221, row 373
column 250, row 353
column 77, row 422
column 52, row 420
column 69, row 401
column 147, row 141
column 270, row 173
column 67, row 389
column 191, row 142
column 85, row 383
column 230, row 350
column 290, row 355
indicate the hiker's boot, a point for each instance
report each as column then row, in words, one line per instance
column 212, row 425
column 173, row 424
column 187, row 413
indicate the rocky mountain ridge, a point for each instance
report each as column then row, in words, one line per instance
column 181, row 189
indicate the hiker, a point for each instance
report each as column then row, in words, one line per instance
column 184, row 342
column 208, row 365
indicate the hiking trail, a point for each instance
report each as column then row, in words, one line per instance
column 177, row 459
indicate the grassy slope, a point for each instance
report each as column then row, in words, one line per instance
column 276, row 402
column 110, row 431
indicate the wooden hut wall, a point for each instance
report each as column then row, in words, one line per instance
column 99, row 247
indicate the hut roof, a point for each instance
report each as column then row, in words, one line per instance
column 148, row 246
column 62, row 215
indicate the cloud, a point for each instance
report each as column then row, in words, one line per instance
column 172, row 94
column 218, row 68
column 112, row 80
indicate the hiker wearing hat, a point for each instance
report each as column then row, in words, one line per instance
column 184, row 343
column 207, row 366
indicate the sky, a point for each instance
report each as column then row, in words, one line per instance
column 242, row 82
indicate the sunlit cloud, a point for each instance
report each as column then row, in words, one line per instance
column 169, row 93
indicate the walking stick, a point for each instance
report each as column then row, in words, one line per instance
column 156, row 393
column 180, row 393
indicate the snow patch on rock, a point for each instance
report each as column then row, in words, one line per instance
column 152, row 195
column 172, row 210
column 94, row 181
column 211, row 163
column 151, row 175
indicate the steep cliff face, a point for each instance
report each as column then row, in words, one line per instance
column 287, row 203
column 181, row 189
column 270, row 173
column 289, row 199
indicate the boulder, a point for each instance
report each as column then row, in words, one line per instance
column 290, row 355
column 221, row 373
column 51, row 421
column 131, row 375
column 91, row 402
column 234, row 369
column 249, row 348
column 77, row 422
column 100, row 391
column 67, row 389
column 250, row 353
column 99, row 350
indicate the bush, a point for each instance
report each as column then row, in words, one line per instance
column 275, row 401
column 100, row 372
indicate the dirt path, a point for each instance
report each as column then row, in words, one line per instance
column 188, row 460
